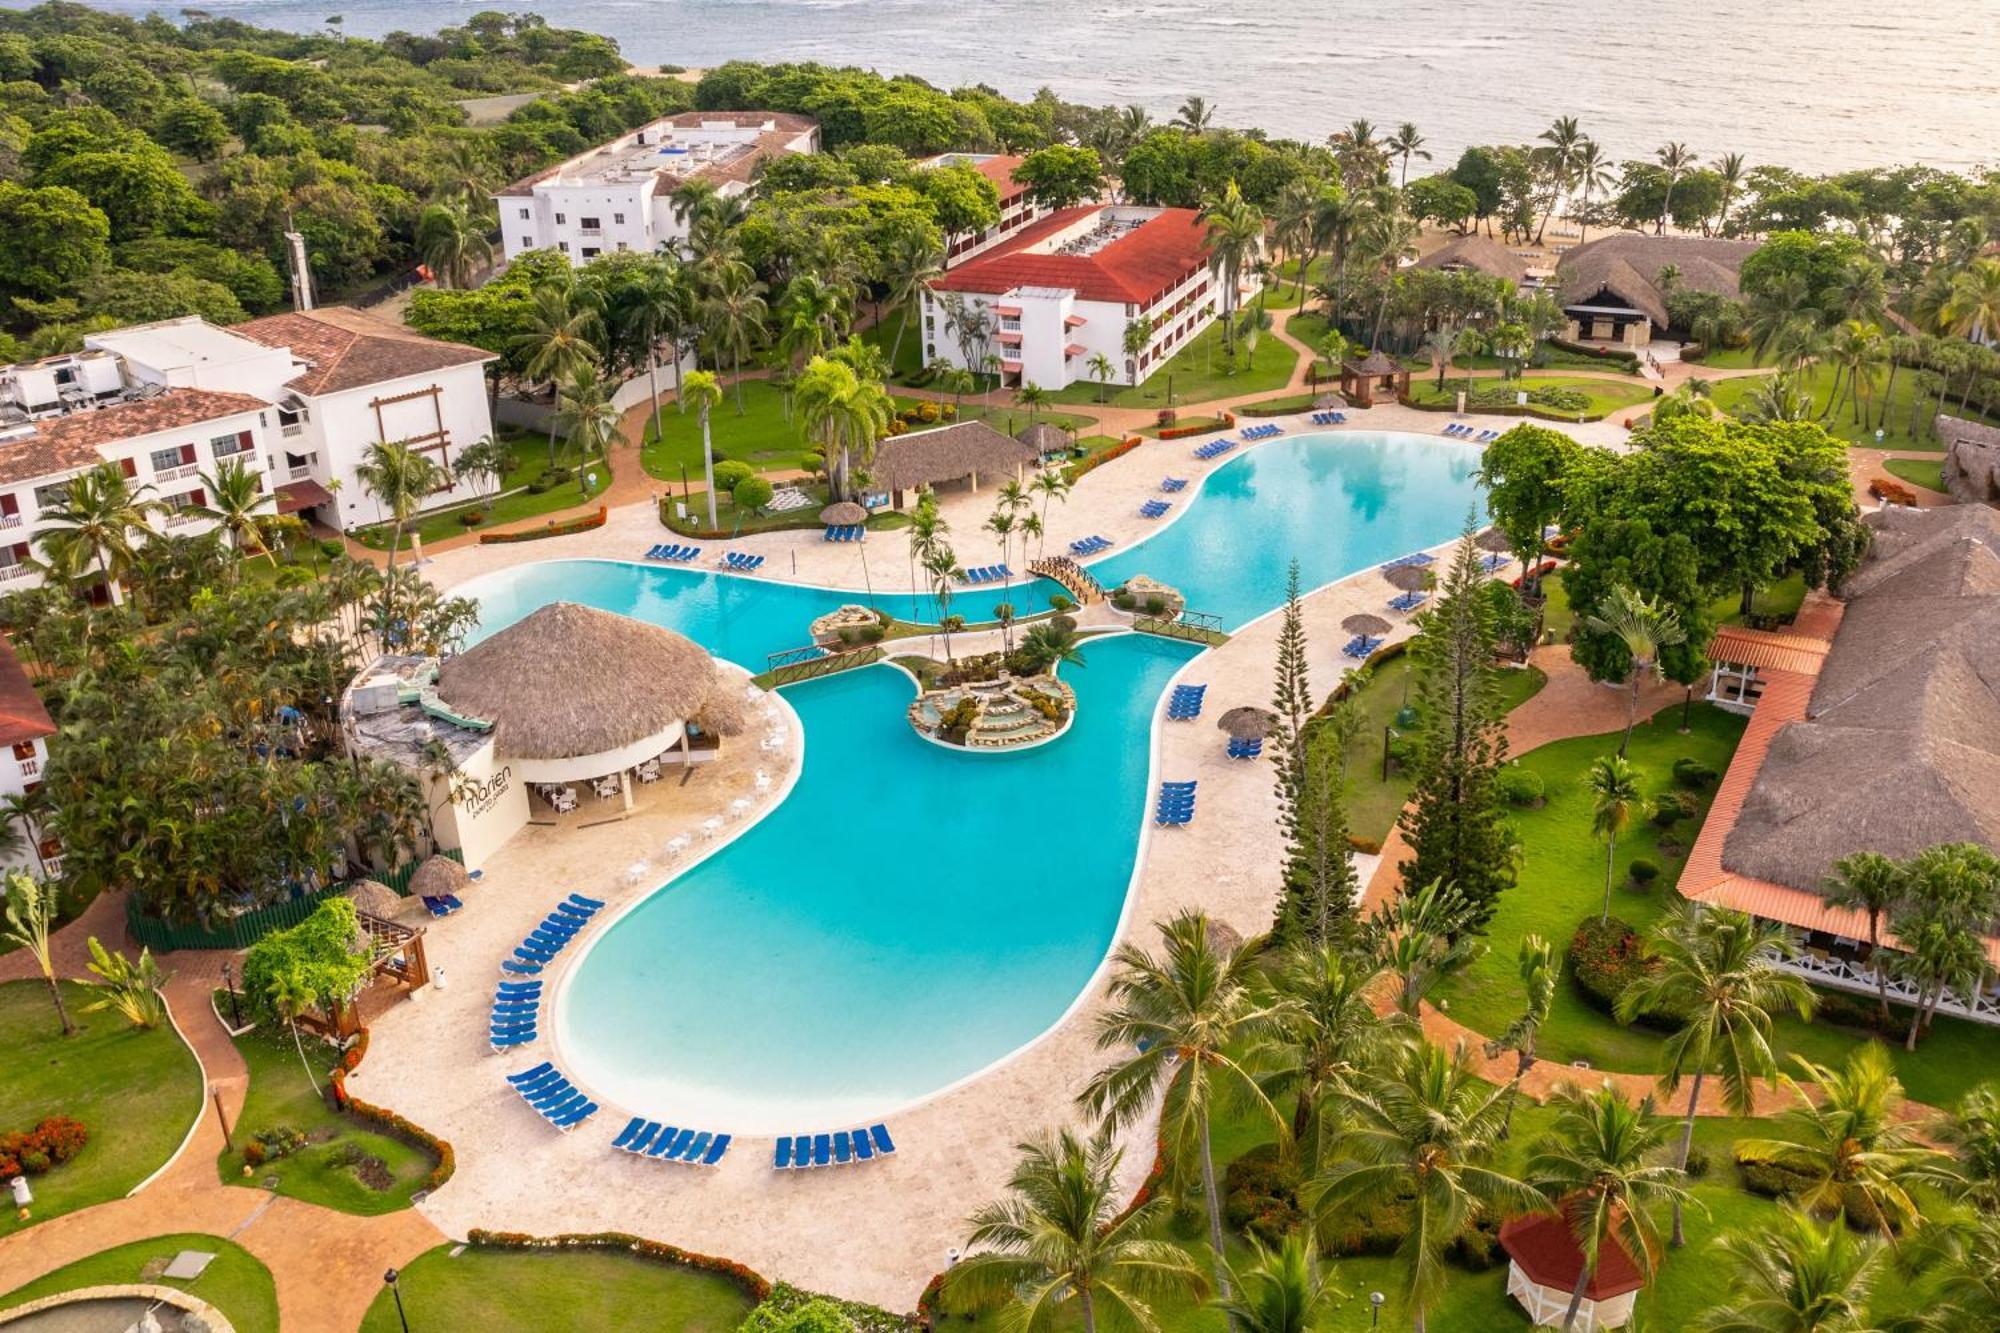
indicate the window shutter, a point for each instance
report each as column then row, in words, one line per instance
column 197, row 498
column 187, row 454
column 129, row 467
column 10, row 504
column 243, row 440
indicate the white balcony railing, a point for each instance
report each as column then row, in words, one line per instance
column 30, row 767
column 14, row 571
column 299, row 473
column 52, row 866
column 176, row 473
column 296, row 428
column 180, row 518
column 10, row 520
column 1845, row 974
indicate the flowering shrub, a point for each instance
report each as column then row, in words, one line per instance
column 753, row 1284
column 1118, row 450
column 1607, row 956
column 49, row 1144
column 407, row 1130
column 1202, row 427
column 1895, row 492
column 472, row 518
column 574, row 525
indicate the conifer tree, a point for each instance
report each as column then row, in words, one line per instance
column 1318, row 902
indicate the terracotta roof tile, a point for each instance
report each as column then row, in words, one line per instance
column 1542, row 1245
column 349, row 350
column 72, row 442
column 1137, row 268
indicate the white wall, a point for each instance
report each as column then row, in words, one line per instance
column 485, row 806
column 342, row 426
column 16, row 772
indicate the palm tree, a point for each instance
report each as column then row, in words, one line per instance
column 1857, row 350
column 1677, row 160
column 1732, row 170
column 910, row 266
column 1138, row 336
column 1391, row 238
column 1405, row 143
column 1101, row 370
column 92, row 526
column 1422, row 1132
column 1973, row 309
column 1971, row 1133
column 1872, row 883
column 1177, row 1018
column 845, row 412
column 1593, row 1166
column 1195, row 116
column 289, row 996
column 704, row 391
column 1051, row 484
column 1292, row 222
column 466, row 174
column 1325, row 1031
column 1792, row 1275
column 1779, row 307
column 589, row 421
column 1565, row 139
column 1234, row 229
column 1538, row 971
column 1614, row 791
column 242, row 509
column 558, row 343
column 733, row 318
column 1591, row 171
column 30, row 914
column 1645, row 626
column 1282, row 1290
column 1441, row 344
column 1033, row 397
column 399, row 479
column 811, row 314
column 654, row 309
column 453, row 243
column 1714, row 968
column 1062, row 1237
column 1860, row 1156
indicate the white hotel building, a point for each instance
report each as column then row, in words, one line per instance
column 619, row 195
column 1017, row 207
column 297, row 399
column 1064, row 289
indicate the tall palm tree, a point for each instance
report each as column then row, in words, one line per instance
column 1391, row 237
column 30, row 915
column 733, row 318
column 1234, row 229
column 453, row 243
column 1539, row 972
column 1677, row 161
column 1405, row 144
column 1177, row 1018
column 1591, row 172
column 235, row 498
column 845, row 412
column 589, row 420
column 560, row 341
column 812, row 314
column 1137, row 337
column 92, row 526
column 1292, row 222
column 655, row 309
column 1325, row 1032
column 1870, row 882
column 1195, row 116
column 1614, row 794
column 399, row 479
column 1594, row 1168
column 704, row 391
column 1421, row 1131
column 1061, row 1237
column 1732, row 169
column 1564, row 139
column 467, row 176
column 1644, row 626
column 1970, row 1131
column 1283, row 1290
column 1792, row 1275
column 1851, row 1143
column 1714, row 968
column 1778, row 310
column 911, row 264
column 1973, row 309
column 1101, row 370
column 1051, row 484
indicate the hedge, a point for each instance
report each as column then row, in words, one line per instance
column 551, row 529
column 1220, row 421
column 1118, row 450
column 1604, row 958
column 383, row 1118
column 1629, row 361
column 753, row 1284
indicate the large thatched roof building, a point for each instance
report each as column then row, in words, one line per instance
column 1888, row 743
column 1477, row 254
column 964, row 451
column 1611, row 289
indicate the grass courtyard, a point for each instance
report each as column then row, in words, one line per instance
column 1903, row 409
column 577, row 1291
column 512, row 502
column 234, row 1281
column 136, row 1091
column 1925, row 472
column 1198, row 372
column 1604, row 396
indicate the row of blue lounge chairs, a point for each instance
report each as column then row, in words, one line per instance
column 1215, row 448
column 1360, row 647
column 1089, row 546
column 1245, row 747
column 1400, row 562
column 1408, row 601
column 1459, row 431
column 1176, row 805
column 664, row 1143
column 1173, row 485
column 1329, row 418
column 742, row 563
column 1184, row 704
column 443, row 904
column 673, row 552
column 546, row 940
column 846, row 532
column 1254, row 433
column 553, row 1096
column 1154, row 508
column 511, row 1022
column 988, row 574
column 812, row 1150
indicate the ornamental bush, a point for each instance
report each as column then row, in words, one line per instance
column 1518, row 786
column 729, row 472
column 752, row 493
column 1692, row 773
column 56, row 1140
column 1644, row 872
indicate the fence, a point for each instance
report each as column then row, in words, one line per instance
column 797, row 664
column 1194, row 626
column 240, row 932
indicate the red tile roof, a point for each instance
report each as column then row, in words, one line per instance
column 349, row 350
column 1137, row 268
column 1542, row 1245
column 296, row 495
column 1767, row 650
column 72, row 442
column 22, row 716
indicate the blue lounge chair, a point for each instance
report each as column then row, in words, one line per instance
column 643, row 1139
column 884, row 1145
column 663, row 1143
column 1172, row 485
column 715, row 1150
column 1409, row 601
column 680, row 1146
column 864, row 1151
column 519, row 968
column 512, row 1041
column 1246, row 747
column 822, row 1149
column 630, row 1132
column 842, row 1154
column 592, row 904
column 781, row 1156
column 574, row 1116
column 694, row 1150
column 542, row 1090
column 520, row 988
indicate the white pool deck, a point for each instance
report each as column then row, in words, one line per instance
column 874, row 1232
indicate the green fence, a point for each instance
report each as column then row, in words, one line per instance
column 241, row 932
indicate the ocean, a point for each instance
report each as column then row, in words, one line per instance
column 1816, row 85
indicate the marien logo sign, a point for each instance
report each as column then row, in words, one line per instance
column 476, row 797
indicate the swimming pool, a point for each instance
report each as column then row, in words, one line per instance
column 910, row 915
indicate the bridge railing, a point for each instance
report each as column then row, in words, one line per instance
column 812, row 661
column 1193, row 626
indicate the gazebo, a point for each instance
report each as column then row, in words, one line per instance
column 1046, row 440
column 1545, row 1263
column 1378, row 372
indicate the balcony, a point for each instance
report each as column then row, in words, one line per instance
column 30, row 768
column 294, row 429
column 299, row 473
column 180, row 518
column 14, row 571
column 1825, row 968
column 177, row 473
column 10, row 520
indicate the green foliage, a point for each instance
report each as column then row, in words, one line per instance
column 1061, row 176
column 751, row 493
column 129, row 989
column 1692, row 773
column 1518, row 786
column 314, row 965
column 728, row 472
column 49, row 238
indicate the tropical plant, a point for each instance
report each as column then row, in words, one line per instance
column 92, row 526
column 1195, row 115
column 399, row 479
column 1404, row 144
column 1323, row 1034
column 589, row 421
column 845, row 412
column 30, row 916
column 1873, row 883
column 558, row 343
column 1423, row 935
column 704, row 391
column 1062, row 1237
column 129, row 989
column 1283, row 1290
column 732, row 317
column 1539, row 971
column 485, row 460
column 1793, row 1275
column 1973, row 309
column 1970, row 1132
column 1047, row 643
column 1644, row 626
column 246, row 514
column 1953, row 894
column 453, row 243
column 1614, row 794
column 1677, row 162
column 912, row 264
column 1234, row 230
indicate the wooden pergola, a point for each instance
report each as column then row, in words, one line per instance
column 1378, row 372
column 396, row 956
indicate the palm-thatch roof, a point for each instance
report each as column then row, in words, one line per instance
column 842, row 513
column 1482, row 254
column 1627, row 265
column 437, row 876
column 723, row 712
column 571, row 680
column 1363, row 623
column 1044, row 438
column 948, row 453
column 1408, row 578
column 1494, row 540
column 1971, row 458
column 373, row 897
column 1375, row 363
column 1248, row 723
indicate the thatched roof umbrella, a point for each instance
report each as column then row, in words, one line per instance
column 1366, row 625
column 1494, row 541
column 843, row 514
column 724, row 712
column 438, row 876
column 373, row 897
column 1408, row 578
column 569, row 681
column 1248, row 724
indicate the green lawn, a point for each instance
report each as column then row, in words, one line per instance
column 1729, row 395
column 1730, row 358
column 280, row 1094
column 234, row 1282
column 760, row 436
column 531, row 459
column 1925, row 472
column 581, row 1291
column 1199, row 372
column 1606, row 395
column 136, row 1092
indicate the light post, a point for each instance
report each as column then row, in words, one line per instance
column 397, row 1291
column 229, row 984
column 1375, row 1298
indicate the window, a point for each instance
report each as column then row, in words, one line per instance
column 524, row 215
column 618, row 219
column 623, row 246
column 589, row 251
column 10, row 505
column 185, row 501
column 563, row 246
column 591, row 224
column 24, row 749
column 166, row 460
column 527, row 242
column 228, row 446
column 10, row 556
column 291, row 420
column 560, row 219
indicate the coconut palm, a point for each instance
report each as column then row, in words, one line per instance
column 1857, row 351
column 1062, row 1238
column 1404, row 144
column 559, row 342
column 1614, row 794
column 1593, row 1166
column 1714, row 969
column 845, row 412
column 1590, row 171
column 910, row 264
column 1564, row 138
column 1970, row 1132
column 1234, row 230
column 811, row 315
column 704, row 391
column 1292, row 221
column 1391, row 237
column 732, row 318
column 1101, row 370
column 1732, row 169
column 485, row 460
column 1195, row 116
column 1967, row 1294
column 1050, row 483
column 1973, row 309
column 1778, row 397
column 1792, row 1275
column 1421, row 1132
column 399, row 479
column 1778, row 311
column 655, row 309
column 1177, row 1018
column 1283, row 1290
column 1539, row 972
column 246, row 514
column 453, row 243
column 1325, row 1033
column 92, row 526
column 1870, row 882
column 589, row 421
column 1677, row 161
column 1645, row 626
column 1953, row 895
column 30, row 915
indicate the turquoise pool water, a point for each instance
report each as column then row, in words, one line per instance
column 909, row 915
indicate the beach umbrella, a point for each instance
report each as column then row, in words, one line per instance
column 373, row 897
column 842, row 514
column 1408, row 578
column 438, row 876
column 1248, row 724
column 1494, row 541
column 1365, row 624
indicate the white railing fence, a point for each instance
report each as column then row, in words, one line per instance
column 1844, row 974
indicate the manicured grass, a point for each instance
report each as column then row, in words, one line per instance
column 580, row 1291
column 909, row 357
column 1004, row 414
column 1730, row 358
column 280, row 1094
column 531, row 459
column 1730, row 394
column 1200, row 372
column 1927, row 473
column 760, row 435
column 1606, row 395
column 234, row 1282
column 136, row 1092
